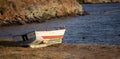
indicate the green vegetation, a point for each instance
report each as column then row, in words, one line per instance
column 81, row 1
column 2, row 10
column 6, row 2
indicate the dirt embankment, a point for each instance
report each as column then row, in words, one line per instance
column 62, row 51
column 25, row 11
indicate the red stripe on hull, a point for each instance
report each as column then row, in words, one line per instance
column 51, row 37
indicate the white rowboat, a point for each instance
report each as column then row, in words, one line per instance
column 37, row 39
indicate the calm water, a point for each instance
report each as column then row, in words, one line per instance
column 102, row 26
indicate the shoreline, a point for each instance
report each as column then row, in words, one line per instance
column 43, row 21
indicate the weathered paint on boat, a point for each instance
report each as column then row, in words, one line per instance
column 37, row 39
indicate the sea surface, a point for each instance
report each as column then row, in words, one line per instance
column 101, row 26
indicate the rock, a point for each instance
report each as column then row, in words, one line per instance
column 31, row 10
column 85, row 13
column 21, row 22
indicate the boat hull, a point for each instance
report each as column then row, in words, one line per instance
column 38, row 39
column 48, row 38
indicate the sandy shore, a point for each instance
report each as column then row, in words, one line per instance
column 62, row 51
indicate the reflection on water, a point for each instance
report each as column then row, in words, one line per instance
column 102, row 26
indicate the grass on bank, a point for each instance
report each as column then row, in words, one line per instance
column 60, row 51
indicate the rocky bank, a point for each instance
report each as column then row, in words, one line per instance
column 27, row 11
